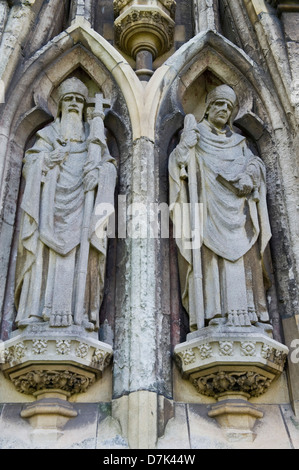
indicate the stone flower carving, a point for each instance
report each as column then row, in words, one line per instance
column 205, row 351
column 248, row 349
column 39, row 346
column 101, row 358
column 19, row 351
column 266, row 351
column 82, row 350
column 63, row 346
column 252, row 383
column 188, row 357
column 67, row 381
column 273, row 355
column 226, row 348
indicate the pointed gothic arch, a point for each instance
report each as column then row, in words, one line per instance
column 30, row 106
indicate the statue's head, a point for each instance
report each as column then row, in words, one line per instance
column 221, row 102
column 72, row 96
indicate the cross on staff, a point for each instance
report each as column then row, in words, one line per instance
column 100, row 103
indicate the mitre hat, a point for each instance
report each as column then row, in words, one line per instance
column 222, row 92
column 72, row 85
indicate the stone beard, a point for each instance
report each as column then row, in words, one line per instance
column 230, row 184
column 59, row 171
column 72, row 127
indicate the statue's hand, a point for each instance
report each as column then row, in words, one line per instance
column 244, row 185
column 190, row 138
column 90, row 180
column 188, row 141
column 55, row 158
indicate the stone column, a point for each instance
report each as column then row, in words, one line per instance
column 4, row 9
column 206, row 15
column 81, row 9
column 136, row 378
column 15, row 32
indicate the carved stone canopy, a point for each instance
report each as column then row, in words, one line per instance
column 169, row 5
column 144, row 27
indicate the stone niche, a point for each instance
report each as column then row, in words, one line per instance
column 230, row 357
column 54, row 353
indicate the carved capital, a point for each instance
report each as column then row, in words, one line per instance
column 252, row 383
column 143, row 27
column 38, row 379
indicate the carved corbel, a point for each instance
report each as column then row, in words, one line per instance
column 232, row 366
column 53, row 368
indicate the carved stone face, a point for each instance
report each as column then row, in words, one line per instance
column 219, row 113
column 72, row 103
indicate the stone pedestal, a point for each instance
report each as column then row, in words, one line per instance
column 52, row 365
column 232, row 365
column 48, row 415
column 236, row 416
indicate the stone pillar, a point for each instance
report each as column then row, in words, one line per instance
column 4, row 9
column 290, row 18
column 136, row 345
column 206, row 15
column 288, row 12
column 81, row 9
column 17, row 26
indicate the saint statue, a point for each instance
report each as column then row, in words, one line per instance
column 61, row 260
column 223, row 279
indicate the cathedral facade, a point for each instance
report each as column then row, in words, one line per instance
column 149, row 214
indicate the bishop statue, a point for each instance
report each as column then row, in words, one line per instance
column 61, row 260
column 213, row 170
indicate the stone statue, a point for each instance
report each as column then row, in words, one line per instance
column 61, row 261
column 222, row 279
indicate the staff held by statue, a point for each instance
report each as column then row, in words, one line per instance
column 96, row 145
column 190, row 125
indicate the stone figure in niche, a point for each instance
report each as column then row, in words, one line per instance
column 61, row 260
column 223, row 278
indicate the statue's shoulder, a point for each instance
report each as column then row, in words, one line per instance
column 50, row 132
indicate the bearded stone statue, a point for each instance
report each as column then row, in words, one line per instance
column 68, row 165
column 223, row 279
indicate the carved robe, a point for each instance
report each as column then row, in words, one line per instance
column 53, row 207
column 235, row 229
